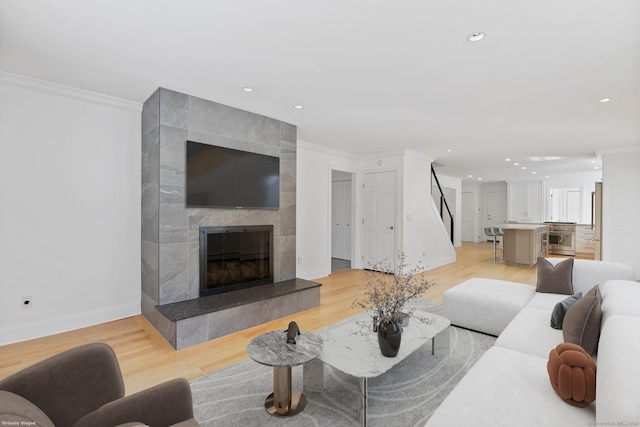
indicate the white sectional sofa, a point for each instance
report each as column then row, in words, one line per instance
column 509, row 385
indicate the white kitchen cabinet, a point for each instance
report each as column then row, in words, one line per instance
column 584, row 239
column 525, row 201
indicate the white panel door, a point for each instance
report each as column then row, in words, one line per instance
column 336, row 189
column 341, row 220
column 468, row 216
column 379, row 218
column 496, row 208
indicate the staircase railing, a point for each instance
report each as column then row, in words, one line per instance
column 443, row 202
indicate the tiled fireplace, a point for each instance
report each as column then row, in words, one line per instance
column 171, row 231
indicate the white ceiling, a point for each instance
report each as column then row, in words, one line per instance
column 372, row 75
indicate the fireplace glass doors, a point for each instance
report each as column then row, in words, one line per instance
column 235, row 257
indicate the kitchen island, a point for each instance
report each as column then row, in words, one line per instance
column 523, row 243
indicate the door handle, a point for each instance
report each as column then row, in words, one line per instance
column 390, row 227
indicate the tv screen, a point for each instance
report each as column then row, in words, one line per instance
column 227, row 178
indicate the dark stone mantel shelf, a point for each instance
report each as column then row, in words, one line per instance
column 200, row 306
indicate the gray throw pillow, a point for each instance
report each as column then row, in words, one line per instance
column 581, row 323
column 555, row 280
column 560, row 309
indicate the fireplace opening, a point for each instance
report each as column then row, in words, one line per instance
column 235, row 257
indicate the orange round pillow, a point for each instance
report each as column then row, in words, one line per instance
column 572, row 372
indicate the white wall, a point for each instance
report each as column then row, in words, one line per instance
column 70, row 186
column 423, row 233
column 425, row 236
column 621, row 207
column 456, row 205
column 313, row 211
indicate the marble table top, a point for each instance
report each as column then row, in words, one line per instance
column 272, row 349
column 352, row 347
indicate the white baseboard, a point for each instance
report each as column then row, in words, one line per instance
column 43, row 328
column 311, row 275
column 441, row 262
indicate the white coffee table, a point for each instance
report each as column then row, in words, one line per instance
column 352, row 347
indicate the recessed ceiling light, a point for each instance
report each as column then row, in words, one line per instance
column 594, row 161
column 543, row 158
column 507, row 160
column 516, row 164
column 476, row 37
column 547, row 177
column 479, row 179
column 247, row 89
column 533, row 173
column 603, row 100
column 524, row 167
column 596, row 167
column 448, row 151
column 298, row 107
column 470, row 176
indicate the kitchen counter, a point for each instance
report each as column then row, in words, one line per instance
column 524, row 243
column 533, row 227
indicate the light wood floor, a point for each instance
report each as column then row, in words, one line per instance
column 147, row 359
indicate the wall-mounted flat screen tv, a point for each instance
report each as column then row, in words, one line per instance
column 227, row 178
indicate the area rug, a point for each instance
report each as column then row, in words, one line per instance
column 405, row 396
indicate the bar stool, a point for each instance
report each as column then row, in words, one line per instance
column 499, row 233
column 491, row 232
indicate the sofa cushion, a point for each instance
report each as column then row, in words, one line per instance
column 555, row 279
column 572, row 373
column 581, row 323
column 620, row 297
column 545, row 301
column 508, row 388
column 16, row 410
column 619, row 371
column 486, row 305
column 560, row 309
column 588, row 273
column 529, row 332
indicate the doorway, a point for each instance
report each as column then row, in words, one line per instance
column 341, row 220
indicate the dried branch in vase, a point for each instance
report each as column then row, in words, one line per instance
column 389, row 288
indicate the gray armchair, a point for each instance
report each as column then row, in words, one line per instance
column 83, row 387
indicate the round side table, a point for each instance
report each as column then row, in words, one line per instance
column 272, row 349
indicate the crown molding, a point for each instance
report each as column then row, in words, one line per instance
column 621, row 150
column 327, row 150
column 420, row 156
column 9, row 79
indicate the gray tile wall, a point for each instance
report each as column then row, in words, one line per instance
column 169, row 230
